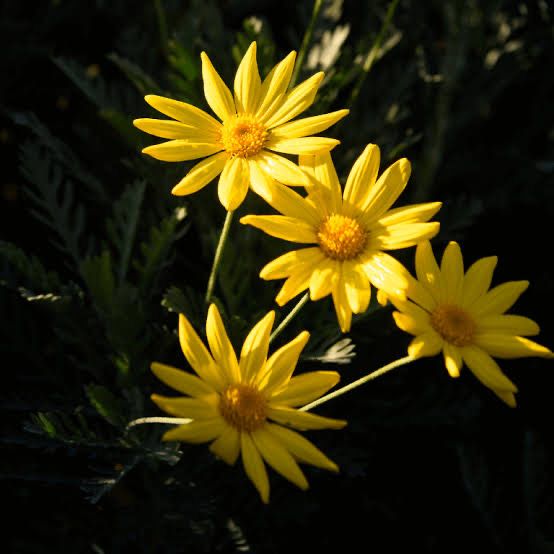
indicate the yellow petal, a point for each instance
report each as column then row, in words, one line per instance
column 196, row 431
column 176, row 130
column 254, row 350
column 386, row 273
column 403, row 235
column 279, row 458
column 507, row 397
column 418, row 314
column 477, row 280
column 499, row 299
column 296, row 101
column 506, row 346
column 324, row 278
column 254, row 466
column 281, row 169
column 227, row 445
column 409, row 323
column 301, row 448
column 181, row 381
column 427, row 344
column 414, row 213
column 198, row 356
column 486, row 369
column 233, row 183
column 187, row 407
column 342, row 306
column 248, row 83
column 452, row 359
column 427, row 270
column 220, row 345
column 281, row 364
column 201, row 174
column 325, row 187
column 186, row 113
column 275, row 86
column 307, row 126
column 298, row 282
column 362, row 176
column 181, row 150
column 303, row 145
column 452, row 272
column 282, row 198
column 304, row 388
column 283, row 227
column 356, row 286
column 508, row 324
column 285, row 265
column 387, row 189
column 302, row 420
column 216, row 92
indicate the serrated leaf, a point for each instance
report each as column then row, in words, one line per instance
column 106, row 404
column 99, row 278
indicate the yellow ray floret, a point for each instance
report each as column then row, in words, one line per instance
column 246, row 406
column 347, row 233
column 457, row 313
column 253, row 128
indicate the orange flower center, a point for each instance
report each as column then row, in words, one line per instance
column 341, row 237
column 243, row 136
column 243, row 407
column 453, row 324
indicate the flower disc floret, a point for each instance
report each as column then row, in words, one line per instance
column 243, row 407
column 453, row 324
column 341, row 237
column 243, row 136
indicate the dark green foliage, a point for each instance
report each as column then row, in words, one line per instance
column 97, row 259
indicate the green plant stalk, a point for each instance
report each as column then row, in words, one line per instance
column 357, row 383
column 372, row 54
column 290, row 316
column 305, row 42
column 218, row 253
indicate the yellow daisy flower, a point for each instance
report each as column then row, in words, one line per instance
column 349, row 231
column 254, row 128
column 455, row 312
column 232, row 403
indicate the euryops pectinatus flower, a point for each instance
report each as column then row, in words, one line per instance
column 349, row 232
column 254, row 128
column 232, row 402
column 455, row 312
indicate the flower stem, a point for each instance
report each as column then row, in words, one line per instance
column 361, row 381
column 217, row 257
column 306, row 41
column 372, row 54
column 290, row 316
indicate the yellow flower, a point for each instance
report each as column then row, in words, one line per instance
column 455, row 312
column 232, row 402
column 254, row 125
column 349, row 231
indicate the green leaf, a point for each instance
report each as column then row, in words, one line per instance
column 98, row 275
column 122, row 227
column 143, row 82
column 106, row 404
column 156, row 251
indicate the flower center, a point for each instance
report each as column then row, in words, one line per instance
column 453, row 324
column 341, row 237
column 243, row 136
column 243, row 407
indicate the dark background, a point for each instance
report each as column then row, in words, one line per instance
column 429, row 464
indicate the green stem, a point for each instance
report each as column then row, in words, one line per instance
column 217, row 257
column 355, row 384
column 290, row 316
column 372, row 54
column 162, row 26
column 306, row 41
